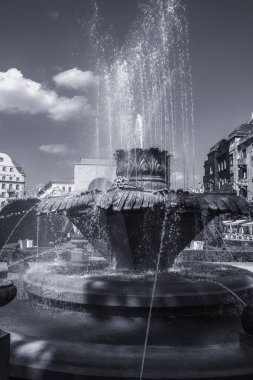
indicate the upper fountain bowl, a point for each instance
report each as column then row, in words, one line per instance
column 145, row 168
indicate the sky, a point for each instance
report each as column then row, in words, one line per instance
column 46, row 72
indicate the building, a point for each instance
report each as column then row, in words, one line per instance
column 237, row 169
column 217, row 166
column 94, row 174
column 56, row 188
column 244, row 180
column 12, row 179
column 230, row 163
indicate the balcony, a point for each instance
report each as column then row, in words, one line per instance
column 241, row 161
column 243, row 181
column 237, row 236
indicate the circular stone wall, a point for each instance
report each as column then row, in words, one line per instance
column 188, row 286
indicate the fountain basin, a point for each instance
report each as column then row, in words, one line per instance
column 189, row 288
column 107, row 343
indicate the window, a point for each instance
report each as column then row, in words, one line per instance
column 225, row 164
column 3, row 195
column 17, row 179
column 17, row 187
column 211, row 170
column 4, row 168
column 3, row 186
column 10, row 178
column 231, row 160
column 63, row 188
column 70, row 189
column 1, row 159
column 11, row 169
column 10, row 186
column 218, row 167
column 3, row 177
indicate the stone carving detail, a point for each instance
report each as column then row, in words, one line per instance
column 120, row 181
column 148, row 168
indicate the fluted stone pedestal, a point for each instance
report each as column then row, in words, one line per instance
column 4, row 355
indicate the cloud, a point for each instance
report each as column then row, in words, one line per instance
column 21, row 95
column 68, row 109
column 57, row 149
column 76, row 79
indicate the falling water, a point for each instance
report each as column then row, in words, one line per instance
column 37, row 233
column 165, row 221
column 16, row 226
column 147, row 79
column 221, row 285
column 144, row 93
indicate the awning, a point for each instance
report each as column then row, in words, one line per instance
column 238, row 222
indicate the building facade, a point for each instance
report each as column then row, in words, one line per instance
column 56, row 189
column 217, row 167
column 237, row 158
column 244, row 183
column 94, row 174
column 229, row 165
column 12, row 179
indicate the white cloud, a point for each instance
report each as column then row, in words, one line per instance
column 21, row 95
column 76, row 79
column 66, row 108
column 57, row 149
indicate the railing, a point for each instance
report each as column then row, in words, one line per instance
column 241, row 161
column 243, row 181
column 236, row 236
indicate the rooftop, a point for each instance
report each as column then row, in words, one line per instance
column 242, row 130
column 15, row 163
column 96, row 161
column 216, row 146
column 56, row 182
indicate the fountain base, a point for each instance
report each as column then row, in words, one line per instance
column 63, row 343
column 178, row 290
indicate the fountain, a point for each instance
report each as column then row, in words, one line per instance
column 141, row 222
column 129, row 320
column 141, row 316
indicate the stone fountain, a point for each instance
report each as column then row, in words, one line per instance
column 140, row 222
column 139, row 207
column 140, row 227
